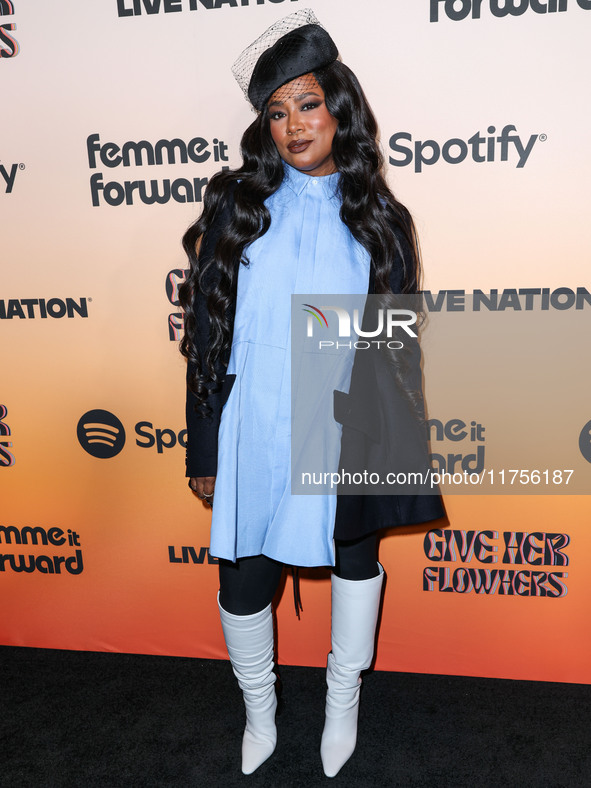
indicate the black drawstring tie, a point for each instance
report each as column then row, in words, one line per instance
column 297, row 599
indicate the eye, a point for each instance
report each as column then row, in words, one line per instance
column 310, row 105
column 277, row 115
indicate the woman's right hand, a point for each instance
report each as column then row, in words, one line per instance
column 203, row 487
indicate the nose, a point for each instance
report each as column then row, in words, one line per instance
column 294, row 123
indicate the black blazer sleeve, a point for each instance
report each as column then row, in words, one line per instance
column 373, row 431
column 202, row 431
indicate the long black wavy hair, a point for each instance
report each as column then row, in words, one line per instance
column 368, row 208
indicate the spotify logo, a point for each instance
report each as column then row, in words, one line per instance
column 101, row 434
column 585, row 441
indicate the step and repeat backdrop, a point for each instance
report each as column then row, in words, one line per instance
column 115, row 115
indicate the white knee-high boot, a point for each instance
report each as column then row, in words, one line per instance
column 250, row 642
column 355, row 605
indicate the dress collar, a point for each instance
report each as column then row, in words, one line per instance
column 298, row 181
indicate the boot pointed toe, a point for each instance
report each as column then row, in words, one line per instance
column 355, row 605
column 256, row 750
column 250, row 641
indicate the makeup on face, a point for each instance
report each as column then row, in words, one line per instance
column 301, row 126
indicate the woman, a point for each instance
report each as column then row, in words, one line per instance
column 307, row 212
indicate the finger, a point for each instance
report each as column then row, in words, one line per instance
column 209, row 486
column 203, row 487
column 194, row 485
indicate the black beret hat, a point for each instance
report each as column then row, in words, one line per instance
column 298, row 52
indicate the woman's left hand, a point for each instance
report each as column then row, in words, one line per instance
column 204, row 487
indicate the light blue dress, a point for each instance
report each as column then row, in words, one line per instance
column 307, row 249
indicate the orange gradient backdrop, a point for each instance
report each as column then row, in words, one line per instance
column 96, row 68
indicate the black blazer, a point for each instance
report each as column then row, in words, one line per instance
column 356, row 515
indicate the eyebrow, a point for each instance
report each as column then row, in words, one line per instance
column 295, row 98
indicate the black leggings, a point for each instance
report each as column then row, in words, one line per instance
column 249, row 585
